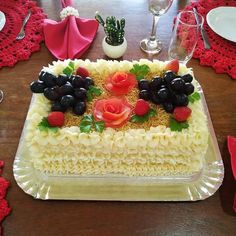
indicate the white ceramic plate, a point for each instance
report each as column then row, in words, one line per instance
column 2, row 20
column 222, row 21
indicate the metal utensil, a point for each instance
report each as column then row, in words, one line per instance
column 203, row 32
column 21, row 34
column 1, row 95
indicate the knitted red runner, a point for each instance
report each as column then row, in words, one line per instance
column 4, row 209
column 11, row 50
column 222, row 55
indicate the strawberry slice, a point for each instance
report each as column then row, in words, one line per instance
column 173, row 66
column 56, row 119
column 141, row 108
column 182, row 113
column 83, row 72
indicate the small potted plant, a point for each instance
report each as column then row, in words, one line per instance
column 114, row 43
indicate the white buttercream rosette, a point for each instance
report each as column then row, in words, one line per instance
column 69, row 11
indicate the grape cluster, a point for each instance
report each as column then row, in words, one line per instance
column 64, row 91
column 170, row 90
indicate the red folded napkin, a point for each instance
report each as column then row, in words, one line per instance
column 71, row 37
column 4, row 209
column 232, row 151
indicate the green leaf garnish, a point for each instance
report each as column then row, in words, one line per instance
column 140, row 71
column 44, row 126
column 85, row 127
column 146, row 117
column 88, row 123
column 92, row 92
column 69, row 69
column 177, row 126
column 88, row 118
column 194, row 97
column 72, row 65
column 99, row 126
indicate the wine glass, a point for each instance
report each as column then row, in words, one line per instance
column 185, row 36
column 157, row 8
column 1, row 95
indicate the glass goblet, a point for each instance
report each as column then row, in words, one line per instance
column 185, row 36
column 157, row 8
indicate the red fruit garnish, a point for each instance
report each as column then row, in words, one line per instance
column 173, row 66
column 56, row 119
column 182, row 113
column 114, row 111
column 141, row 108
column 120, row 83
column 83, row 72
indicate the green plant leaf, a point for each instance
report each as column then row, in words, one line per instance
column 69, row 69
column 146, row 117
column 95, row 90
column 99, row 126
column 194, row 97
column 72, row 65
column 140, row 71
column 85, row 126
column 44, row 126
column 178, row 126
column 92, row 92
column 88, row 118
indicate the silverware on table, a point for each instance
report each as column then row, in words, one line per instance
column 203, row 32
column 1, row 95
column 21, row 34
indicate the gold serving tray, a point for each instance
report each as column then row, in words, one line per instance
column 122, row 188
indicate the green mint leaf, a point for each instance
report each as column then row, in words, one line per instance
column 72, row 65
column 92, row 92
column 99, row 126
column 85, row 127
column 95, row 90
column 44, row 126
column 178, row 126
column 68, row 71
column 89, row 96
column 88, row 118
column 139, row 119
column 152, row 113
column 194, row 97
column 140, row 71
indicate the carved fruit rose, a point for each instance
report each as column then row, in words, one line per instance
column 115, row 112
column 120, row 83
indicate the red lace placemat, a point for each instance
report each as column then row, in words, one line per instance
column 11, row 50
column 4, row 209
column 222, row 55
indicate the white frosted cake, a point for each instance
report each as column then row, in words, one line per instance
column 122, row 118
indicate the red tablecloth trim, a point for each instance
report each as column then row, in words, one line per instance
column 4, row 209
column 11, row 50
column 222, row 55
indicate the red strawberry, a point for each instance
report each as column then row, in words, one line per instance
column 182, row 113
column 173, row 66
column 83, row 72
column 56, row 119
column 141, row 107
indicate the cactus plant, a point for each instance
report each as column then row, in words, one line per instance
column 113, row 28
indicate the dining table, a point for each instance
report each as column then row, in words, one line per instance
column 35, row 217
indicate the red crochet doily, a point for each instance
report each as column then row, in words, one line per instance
column 222, row 55
column 15, row 11
column 4, row 209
